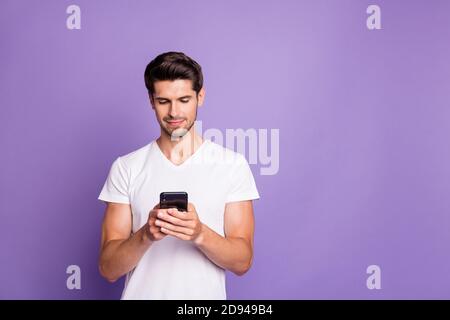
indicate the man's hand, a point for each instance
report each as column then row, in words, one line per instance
column 153, row 231
column 183, row 225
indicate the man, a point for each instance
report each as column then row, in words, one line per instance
column 166, row 253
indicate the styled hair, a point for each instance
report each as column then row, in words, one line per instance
column 173, row 66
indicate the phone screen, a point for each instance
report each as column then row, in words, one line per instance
column 177, row 200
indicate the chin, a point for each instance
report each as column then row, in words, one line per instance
column 178, row 133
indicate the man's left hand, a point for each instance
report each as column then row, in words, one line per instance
column 183, row 225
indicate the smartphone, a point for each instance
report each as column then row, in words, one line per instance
column 177, row 200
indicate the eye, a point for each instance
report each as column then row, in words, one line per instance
column 163, row 101
column 184, row 100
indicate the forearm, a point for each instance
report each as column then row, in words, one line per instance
column 120, row 256
column 231, row 253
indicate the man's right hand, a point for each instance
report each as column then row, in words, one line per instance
column 153, row 231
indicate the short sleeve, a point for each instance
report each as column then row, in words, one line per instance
column 116, row 185
column 242, row 183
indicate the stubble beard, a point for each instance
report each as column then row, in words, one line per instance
column 178, row 133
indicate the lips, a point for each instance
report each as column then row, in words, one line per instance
column 175, row 122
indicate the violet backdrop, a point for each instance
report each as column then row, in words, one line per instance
column 364, row 120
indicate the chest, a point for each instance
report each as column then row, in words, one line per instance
column 207, row 187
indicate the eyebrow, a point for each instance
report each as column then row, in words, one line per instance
column 183, row 97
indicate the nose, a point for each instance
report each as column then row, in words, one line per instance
column 174, row 109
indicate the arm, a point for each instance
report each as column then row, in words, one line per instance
column 120, row 251
column 233, row 252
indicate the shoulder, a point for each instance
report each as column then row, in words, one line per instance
column 137, row 157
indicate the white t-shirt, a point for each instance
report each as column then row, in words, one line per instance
column 172, row 268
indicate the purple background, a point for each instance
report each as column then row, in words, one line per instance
column 364, row 137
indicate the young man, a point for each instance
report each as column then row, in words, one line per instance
column 166, row 253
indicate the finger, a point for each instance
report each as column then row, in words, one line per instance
column 178, row 235
column 173, row 220
column 155, row 229
column 153, row 211
column 156, row 212
column 180, row 214
column 162, row 224
column 191, row 206
column 159, row 236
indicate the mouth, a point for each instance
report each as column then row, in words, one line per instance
column 175, row 123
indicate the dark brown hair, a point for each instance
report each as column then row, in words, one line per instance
column 173, row 66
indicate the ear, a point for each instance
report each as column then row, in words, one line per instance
column 152, row 102
column 201, row 96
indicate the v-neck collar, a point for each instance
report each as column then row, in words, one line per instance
column 185, row 162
